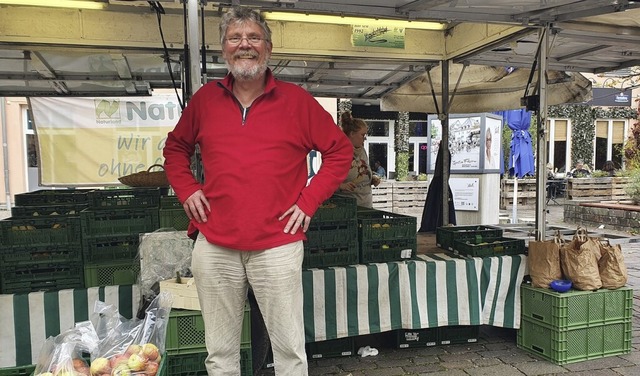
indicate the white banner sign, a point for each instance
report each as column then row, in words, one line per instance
column 94, row 141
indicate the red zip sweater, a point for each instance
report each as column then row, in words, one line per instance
column 254, row 161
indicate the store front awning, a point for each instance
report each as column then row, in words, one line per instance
column 483, row 89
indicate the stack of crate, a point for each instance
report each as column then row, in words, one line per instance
column 385, row 236
column 332, row 238
column 40, row 244
column 576, row 325
column 111, row 228
column 185, row 342
column 172, row 214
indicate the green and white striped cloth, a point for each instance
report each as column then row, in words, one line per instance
column 434, row 290
column 26, row 320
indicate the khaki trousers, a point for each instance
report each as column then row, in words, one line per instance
column 223, row 277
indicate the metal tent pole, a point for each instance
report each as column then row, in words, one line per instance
column 194, row 52
column 541, row 176
column 5, row 151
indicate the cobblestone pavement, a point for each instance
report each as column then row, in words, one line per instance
column 496, row 353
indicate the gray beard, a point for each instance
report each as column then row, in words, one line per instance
column 247, row 74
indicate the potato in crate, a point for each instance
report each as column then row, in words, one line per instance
column 40, row 230
column 445, row 235
column 124, row 198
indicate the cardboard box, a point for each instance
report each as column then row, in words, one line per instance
column 185, row 295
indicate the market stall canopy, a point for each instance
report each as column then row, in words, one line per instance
column 119, row 50
column 483, row 89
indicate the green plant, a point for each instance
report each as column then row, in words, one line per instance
column 599, row 174
column 402, row 165
column 633, row 188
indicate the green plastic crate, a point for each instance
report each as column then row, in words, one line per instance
column 446, row 235
column 111, row 273
column 457, row 334
column 18, row 371
column 332, row 348
column 53, row 196
column 46, row 230
column 330, row 255
column 124, row 198
column 119, row 221
column 489, row 247
column 191, row 363
column 50, row 209
column 185, row 330
column 409, row 338
column 574, row 345
column 174, row 218
column 387, row 250
column 575, row 308
column 381, row 225
column 110, row 248
column 331, row 233
column 25, row 255
column 335, row 208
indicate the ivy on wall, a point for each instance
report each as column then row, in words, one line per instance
column 402, row 145
column 583, row 128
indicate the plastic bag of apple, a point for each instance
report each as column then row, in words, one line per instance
column 126, row 347
column 61, row 355
column 134, row 347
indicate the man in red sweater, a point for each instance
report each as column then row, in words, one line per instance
column 252, row 211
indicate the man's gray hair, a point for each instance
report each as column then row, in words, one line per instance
column 240, row 14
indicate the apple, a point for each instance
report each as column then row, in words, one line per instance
column 118, row 359
column 150, row 351
column 121, row 370
column 133, row 349
column 137, row 362
column 79, row 363
column 151, row 369
column 99, row 366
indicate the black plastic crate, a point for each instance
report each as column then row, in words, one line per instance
column 119, row 221
column 457, row 334
column 110, row 248
column 26, row 255
column 330, row 255
column 15, row 280
column 45, row 210
column 53, row 197
column 446, row 235
column 124, row 198
column 336, row 208
column 407, row 338
column 329, row 233
column 170, row 202
column 489, row 247
column 332, row 348
column 387, row 250
column 381, row 225
column 45, row 230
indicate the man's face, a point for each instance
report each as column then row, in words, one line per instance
column 246, row 60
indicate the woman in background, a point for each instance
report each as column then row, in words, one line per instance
column 360, row 178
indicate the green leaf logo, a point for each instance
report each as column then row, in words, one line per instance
column 107, row 109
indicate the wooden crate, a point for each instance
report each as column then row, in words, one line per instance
column 184, row 294
column 526, row 192
column 603, row 188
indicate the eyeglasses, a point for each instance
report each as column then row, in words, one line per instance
column 253, row 40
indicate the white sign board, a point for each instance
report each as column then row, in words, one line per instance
column 465, row 193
